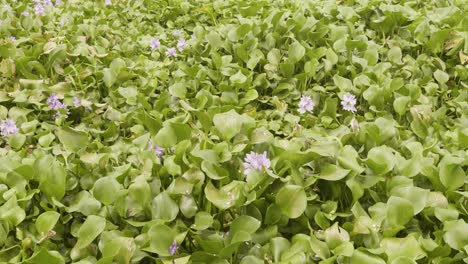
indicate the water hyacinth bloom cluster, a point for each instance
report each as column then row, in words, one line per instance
column 108, row 2
column 154, row 43
column 305, row 105
column 25, row 13
column 55, row 104
column 48, row 3
column 155, row 149
column 39, row 9
column 173, row 248
column 76, row 102
column 255, row 161
column 171, row 52
column 349, row 102
column 181, row 44
column 8, row 127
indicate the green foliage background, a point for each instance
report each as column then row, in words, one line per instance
column 86, row 189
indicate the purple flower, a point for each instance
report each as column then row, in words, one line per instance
column 305, row 104
column 155, row 44
column 48, row 3
column 171, row 52
column 173, row 248
column 108, row 2
column 58, row 2
column 54, row 102
column 255, row 161
column 12, row 39
column 181, row 44
column 349, row 102
column 176, row 32
column 76, row 102
column 156, row 149
column 39, row 10
column 25, row 13
column 8, row 127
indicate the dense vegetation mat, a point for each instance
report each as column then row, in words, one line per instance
column 234, row 131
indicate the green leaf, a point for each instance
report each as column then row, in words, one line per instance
column 441, row 76
column 399, row 211
column 105, row 189
column 296, row 52
column 164, row 208
column 218, row 197
column 238, row 78
column 46, row 222
column 244, row 223
column 51, row 176
column 161, row 237
column 292, row 200
column 332, row 172
column 401, row 104
column 344, row 84
column 109, row 77
column 230, row 123
column 178, row 90
column 278, row 246
column 335, row 236
column 171, row 134
column 16, row 141
column 417, row 196
column 394, row 55
column 402, row 247
column 451, row 173
column 380, row 159
column 347, row 159
column 214, row 40
column 90, row 230
column 362, row 257
column 203, row 220
column 46, row 256
column 456, row 234
column 214, row 171
column 73, row 140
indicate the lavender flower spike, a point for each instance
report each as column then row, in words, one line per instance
column 154, row 43
column 305, row 105
column 76, row 102
column 156, row 149
column 171, row 52
column 255, row 161
column 39, row 10
column 54, row 102
column 349, row 102
column 8, row 127
column 173, row 248
column 181, row 44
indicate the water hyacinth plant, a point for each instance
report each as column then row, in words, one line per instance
column 233, row 132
